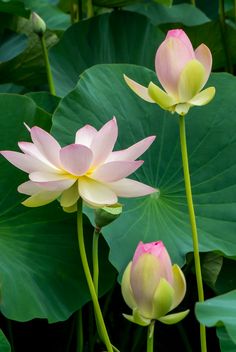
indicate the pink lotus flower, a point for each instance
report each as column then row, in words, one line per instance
column 182, row 72
column 88, row 168
column 152, row 287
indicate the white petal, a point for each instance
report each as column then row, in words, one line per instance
column 29, row 188
column 40, row 199
column 70, row 196
column 115, row 170
column 85, row 135
column 96, row 193
column 140, row 90
column 46, row 144
column 56, row 185
column 130, row 188
column 132, row 152
column 48, row 176
column 76, row 158
column 104, row 142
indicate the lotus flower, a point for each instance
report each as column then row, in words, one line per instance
column 87, row 168
column 182, row 73
column 152, row 287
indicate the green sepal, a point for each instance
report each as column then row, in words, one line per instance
column 162, row 299
column 104, row 216
column 137, row 318
column 174, row 318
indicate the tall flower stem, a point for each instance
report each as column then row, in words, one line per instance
column 90, row 12
column 89, row 279
column 47, row 65
column 150, row 336
column 95, row 259
column 96, row 234
column 192, row 219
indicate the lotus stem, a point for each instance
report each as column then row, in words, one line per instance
column 192, row 219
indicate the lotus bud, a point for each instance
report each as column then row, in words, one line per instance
column 151, row 286
column 104, row 216
column 182, row 72
column 38, row 24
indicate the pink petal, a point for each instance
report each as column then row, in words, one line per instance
column 115, row 170
column 76, row 158
column 132, row 152
column 29, row 188
column 46, row 144
column 31, row 149
column 171, row 57
column 85, row 135
column 181, row 35
column 130, row 188
column 96, row 193
column 22, row 161
column 203, row 54
column 104, row 142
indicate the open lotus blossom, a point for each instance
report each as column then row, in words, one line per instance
column 87, row 168
column 181, row 71
column 152, row 287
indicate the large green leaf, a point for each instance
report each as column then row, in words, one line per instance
column 186, row 14
column 40, row 269
column 102, row 93
column 219, row 310
column 108, row 38
column 15, row 7
column 226, row 344
column 4, row 344
column 11, row 45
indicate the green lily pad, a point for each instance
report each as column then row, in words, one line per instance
column 218, row 311
column 186, row 14
column 11, row 45
column 226, row 344
column 4, row 344
column 15, row 7
column 106, row 38
column 45, row 100
column 102, row 93
column 40, row 268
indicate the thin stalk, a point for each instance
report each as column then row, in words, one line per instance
column 90, row 12
column 80, row 334
column 74, row 11
column 229, row 66
column 235, row 10
column 150, row 336
column 192, row 219
column 96, row 233
column 89, row 279
column 47, row 65
column 193, row 2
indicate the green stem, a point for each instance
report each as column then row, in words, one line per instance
column 74, row 11
column 89, row 279
column 192, row 219
column 90, row 12
column 223, row 28
column 95, row 259
column 47, row 65
column 80, row 335
column 150, row 336
column 193, row 2
column 235, row 10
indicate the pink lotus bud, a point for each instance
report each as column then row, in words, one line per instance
column 151, row 286
column 182, row 73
